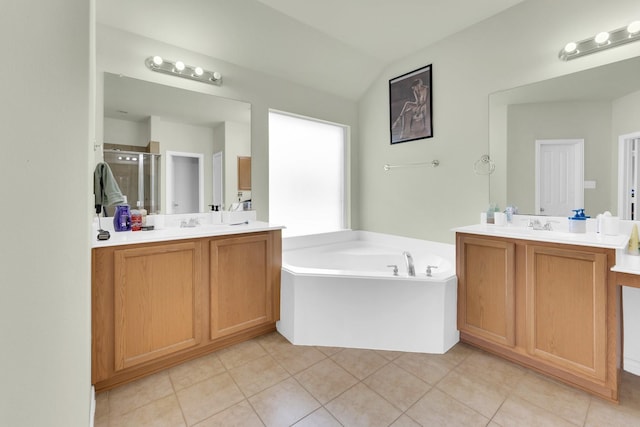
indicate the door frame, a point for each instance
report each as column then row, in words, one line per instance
column 578, row 168
column 624, row 165
column 218, row 178
column 170, row 155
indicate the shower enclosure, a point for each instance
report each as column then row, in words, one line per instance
column 138, row 176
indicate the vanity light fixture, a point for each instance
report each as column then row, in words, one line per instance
column 601, row 41
column 180, row 69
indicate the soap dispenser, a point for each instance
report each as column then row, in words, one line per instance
column 578, row 222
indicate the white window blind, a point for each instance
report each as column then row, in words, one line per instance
column 306, row 174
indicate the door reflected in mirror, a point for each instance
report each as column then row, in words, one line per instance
column 142, row 116
column 597, row 105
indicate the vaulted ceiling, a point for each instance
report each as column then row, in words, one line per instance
column 337, row 46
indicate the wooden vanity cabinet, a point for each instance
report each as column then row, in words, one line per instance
column 155, row 305
column 550, row 307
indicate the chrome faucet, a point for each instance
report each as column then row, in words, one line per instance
column 408, row 260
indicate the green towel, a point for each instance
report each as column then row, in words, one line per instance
column 105, row 188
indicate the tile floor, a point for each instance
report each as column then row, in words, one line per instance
column 269, row 382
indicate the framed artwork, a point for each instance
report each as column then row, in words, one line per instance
column 410, row 112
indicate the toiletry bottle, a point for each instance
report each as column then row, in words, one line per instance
column 143, row 213
column 136, row 220
column 122, row 217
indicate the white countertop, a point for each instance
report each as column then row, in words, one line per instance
column 177, row 233
column 592, row 239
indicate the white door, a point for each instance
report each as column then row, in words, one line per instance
column 185, row 174
column 218, row 183
column 559, row 176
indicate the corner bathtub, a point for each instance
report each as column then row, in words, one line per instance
column 337, row 291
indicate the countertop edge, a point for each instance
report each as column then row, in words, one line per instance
column 171, row 234
column 579, row 239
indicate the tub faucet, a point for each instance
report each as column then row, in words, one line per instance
column 408, row 260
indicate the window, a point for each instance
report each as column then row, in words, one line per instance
column 307, row 174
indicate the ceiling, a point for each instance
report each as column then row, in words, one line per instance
column 336, row 46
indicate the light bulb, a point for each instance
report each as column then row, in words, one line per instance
column 198, row 71
column 570, row 47
column 157, row 60
column 179, row 65
column 601, row 37
column 633, row 27
column 216, row 75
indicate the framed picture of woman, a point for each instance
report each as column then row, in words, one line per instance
column 410, row 110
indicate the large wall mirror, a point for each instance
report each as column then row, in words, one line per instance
column 558, row 140
column 194, row 141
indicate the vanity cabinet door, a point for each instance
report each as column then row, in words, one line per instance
column 566, row 309
column 157, row 302
column 486, row 288
column 240, row 283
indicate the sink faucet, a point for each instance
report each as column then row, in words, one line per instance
column 408, row 260
column 537, row 225
column 193, row 222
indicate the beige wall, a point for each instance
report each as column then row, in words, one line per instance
column 517, row 47
column 590, row 121
column 45, row 188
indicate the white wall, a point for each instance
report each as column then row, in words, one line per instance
column 126, row 132
column 124, row 53
column 517, row 47
column 45, row 188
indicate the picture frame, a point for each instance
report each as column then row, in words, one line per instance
column 410, row 106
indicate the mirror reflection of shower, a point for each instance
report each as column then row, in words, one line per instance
column 138, row 176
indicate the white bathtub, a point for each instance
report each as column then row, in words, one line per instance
column 337, row 291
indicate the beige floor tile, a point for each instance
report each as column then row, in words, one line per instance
column 359, row 363
column 559, row 399
column 102, row 421
column 361, row 406
column 189, row 373
column 516, row 412
column 274, row 343
column 399, row 387
column 164, row 412
column 139, row 393
column 325, row 380
column 630, row 390
column 240, row 415
column 438, row 409
column 298, row 358
column 330, row 351
column 283, row 404
column 430, row 368
column 102, row 404
column 405, row 421
column 209, row 397
column 606, row 414
column 477, row 394
column 258, row 375
column 458, row 353
column 319, row 418
column 389, row 355
column 240, row 354
column 492, row 369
